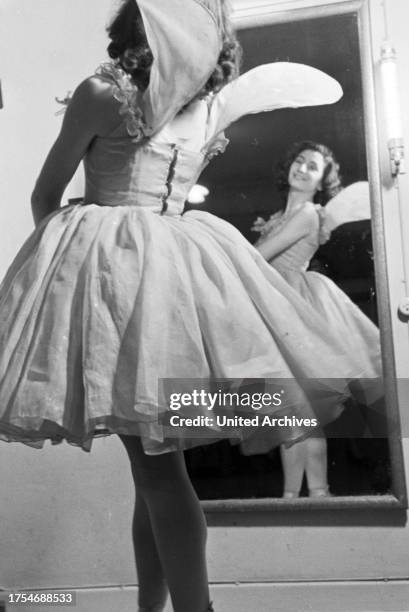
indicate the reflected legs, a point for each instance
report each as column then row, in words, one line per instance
column 169, row 532
column 293, row 460
column 310, row 457
column 316, row 467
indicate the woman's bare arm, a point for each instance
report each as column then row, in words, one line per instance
column 89, row 114
column 298, row 226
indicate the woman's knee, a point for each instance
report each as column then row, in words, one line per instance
column 317, row 447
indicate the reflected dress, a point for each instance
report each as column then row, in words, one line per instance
column 337, row 312
column 107, row 297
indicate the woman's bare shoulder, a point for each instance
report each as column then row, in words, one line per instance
column 94, row 102
column 310, row 208
column 306, row 212
column 309, row 213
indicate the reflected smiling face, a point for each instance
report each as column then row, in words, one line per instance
column 306, row 172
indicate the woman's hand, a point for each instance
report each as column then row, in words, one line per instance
column 258, row 224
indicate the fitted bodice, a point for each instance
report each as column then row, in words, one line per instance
column 132, row 167
column 298, row 256
column 122, row 171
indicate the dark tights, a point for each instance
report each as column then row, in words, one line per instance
column 169, row 531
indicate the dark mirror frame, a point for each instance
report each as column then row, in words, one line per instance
column 257, row 14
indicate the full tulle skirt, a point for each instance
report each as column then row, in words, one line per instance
column 338, row 313
column 104, row 307
column 345, row 323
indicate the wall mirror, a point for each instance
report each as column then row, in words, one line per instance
column 362, row 471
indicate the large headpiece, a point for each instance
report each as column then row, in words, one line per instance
column 185, row 37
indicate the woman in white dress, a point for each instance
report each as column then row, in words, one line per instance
column 308, row 179
column 109, row 297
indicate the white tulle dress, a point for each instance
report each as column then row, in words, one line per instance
column 107, row 298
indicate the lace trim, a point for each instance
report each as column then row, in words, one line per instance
column 127, row 93
column 216, row 147
column 263, row 227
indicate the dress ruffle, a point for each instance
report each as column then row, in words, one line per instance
column 126, row 92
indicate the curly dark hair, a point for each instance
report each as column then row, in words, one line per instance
column 129, row 47
column 331, row 180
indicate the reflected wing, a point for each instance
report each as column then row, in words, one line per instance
column 351, row 204
column 269, row 87
column 184, row 37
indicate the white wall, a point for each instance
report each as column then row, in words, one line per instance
column 46, row 49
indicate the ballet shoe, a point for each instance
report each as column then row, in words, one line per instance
column 319, row 492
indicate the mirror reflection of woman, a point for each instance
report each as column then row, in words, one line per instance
column 308, row 179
